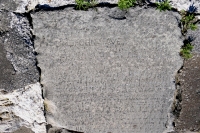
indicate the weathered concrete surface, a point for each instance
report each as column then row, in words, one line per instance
column 107, row 74
column 21, row 102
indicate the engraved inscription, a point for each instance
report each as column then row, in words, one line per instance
column 108, row 75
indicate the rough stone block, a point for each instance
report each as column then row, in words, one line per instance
column 105, row 74
column 22, row 107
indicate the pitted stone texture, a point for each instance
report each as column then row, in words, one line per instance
column 10, row 5
column 22, row 107
column 108, row 75
column 196, row 36
column 5, row 21
column 18, row 59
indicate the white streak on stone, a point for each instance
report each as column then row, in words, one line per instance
column 23, row 107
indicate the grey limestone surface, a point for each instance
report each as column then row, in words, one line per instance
column 9, row 5
column 21, row 102
column 101, row 73
column 18, row 58
column 195, row 35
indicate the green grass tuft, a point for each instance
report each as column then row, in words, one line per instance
column 186, row 51
column 125, row 4
column 188, row 21
column 85, row 5
column 164, row 5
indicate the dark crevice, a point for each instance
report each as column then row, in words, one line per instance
column 197, row 22
column 46, row 7
column 71, row 131
column 49, row 127
column 28, row 16
column 179, row 71
column 176, row 108
column 39, row 71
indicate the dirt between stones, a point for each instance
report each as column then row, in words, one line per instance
column 189, row 118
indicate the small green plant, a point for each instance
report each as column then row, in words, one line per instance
column 188, row 21
column 186, row 51
column 125, row 4
column 163, row 5
column 84, row 5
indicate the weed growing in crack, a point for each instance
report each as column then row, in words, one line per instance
column 188, row 21
column 85, row 5
column 163, row 5
column 186, row 51
column 125, row 4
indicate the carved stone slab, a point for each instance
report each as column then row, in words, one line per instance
column 108, row 71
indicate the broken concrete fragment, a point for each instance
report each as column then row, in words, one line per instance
column 105, row 74
column 22, row 107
